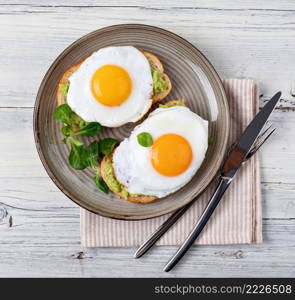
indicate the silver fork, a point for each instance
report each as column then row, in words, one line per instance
column 261, row 139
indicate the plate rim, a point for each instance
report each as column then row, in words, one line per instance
column 55, row 63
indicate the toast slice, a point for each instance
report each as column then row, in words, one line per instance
column 108, row 173
column 154, row 62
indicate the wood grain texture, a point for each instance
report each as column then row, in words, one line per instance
column 39, row 226
column 51, row 249
column 259, row 41
column 200, row 4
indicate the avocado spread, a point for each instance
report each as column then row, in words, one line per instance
column 64, row 87
column 179, row 103
column 159, row 83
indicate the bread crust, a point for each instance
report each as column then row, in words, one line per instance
column 175, row 102
column 154, row 60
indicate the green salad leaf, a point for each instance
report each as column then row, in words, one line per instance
column 78, row 121
column 66, row 130
column 75, row 125
column 91, row 155
column 91, row 129
column 64, row 113
column 76, row 157
column 145, row 139
column 76, row 142
column 107, row 145
column 100, row 183
column 81, row 156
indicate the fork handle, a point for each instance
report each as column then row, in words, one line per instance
column 161, row 230
column 222, row 186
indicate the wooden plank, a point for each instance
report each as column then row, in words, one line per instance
column 23, row 197
column 49, row 247
column 278, row 200
column 204, row 4
column 240, row 43
column 278, row 154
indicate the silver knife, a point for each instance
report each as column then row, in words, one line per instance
column 230, row 167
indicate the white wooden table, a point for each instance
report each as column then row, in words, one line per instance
column 39, row 226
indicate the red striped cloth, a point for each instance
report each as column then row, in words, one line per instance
column 236, row 220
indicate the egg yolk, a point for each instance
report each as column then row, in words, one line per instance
column 171, row 154
column 111, row 85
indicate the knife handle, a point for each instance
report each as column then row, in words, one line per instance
column 212, row 204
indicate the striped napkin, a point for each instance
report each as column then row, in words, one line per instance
column 236, row 220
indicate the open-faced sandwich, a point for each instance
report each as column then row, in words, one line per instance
column 114, row 85
column 159, row 157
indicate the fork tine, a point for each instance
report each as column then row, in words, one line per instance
column 266, row 129
column 261, row 140
column 258, row 140
column 262, row 135
column 267, row 137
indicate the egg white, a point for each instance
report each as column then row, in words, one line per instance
column 80, row 97
column 132, row 163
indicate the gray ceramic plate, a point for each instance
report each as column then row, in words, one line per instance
column 193, row 78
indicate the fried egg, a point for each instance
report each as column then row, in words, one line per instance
column 180, row 141
column 113, row 86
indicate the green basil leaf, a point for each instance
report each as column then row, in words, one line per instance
column 91, row 129
column 145, row 139
column 107, row 145
column 100, row 183
column 66, row 130
column 76, row 157
column 91, row 155
column 63, row 113
column 64, row 88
